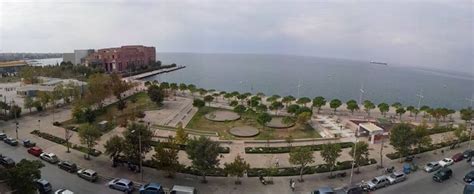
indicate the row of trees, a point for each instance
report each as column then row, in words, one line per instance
column 276, row 102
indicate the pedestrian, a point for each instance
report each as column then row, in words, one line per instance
column 291, row 181
column 277, row 162
column 293, row 186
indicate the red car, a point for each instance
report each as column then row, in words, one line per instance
column 458, row 157
column 35, row 151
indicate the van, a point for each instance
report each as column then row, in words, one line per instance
column 177, row 189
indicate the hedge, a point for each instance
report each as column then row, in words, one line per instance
column 62, row 141
column 396, row 155
column 294, row 171
column 287, row 171
column 287, row 149
column 222, row 150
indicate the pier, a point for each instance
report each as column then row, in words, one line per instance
column 155, row 72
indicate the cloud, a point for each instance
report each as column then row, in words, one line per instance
column 421, row 33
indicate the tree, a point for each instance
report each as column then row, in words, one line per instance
column 15, row 111
column 28, row 103
column 181, row 136
column 118, row 86
column 192, row 89
column 303, row 101
column 183, row 87
column 22, row 177
column 98, row 89
column 301, row 156
column 167, row 158
column 361, row 154
column 401, row 138
column 303, row 118
column 352, row 106
column 293, row 109
column 204, row 155
column 400, row 111
column 410, row 109
column 89, row 135
column 368, row 105
column 208, row 99
column 114, row 146
column 261, row 108
column 240, row 109
column 234, row 103
column 330, row 152
column 198, row 103
column 421, row 137
column 467, row 114
column 319, row 102
column 137, row 134
column 228, row 96
column 89, row 115
column 287, row 100
column 383, row 108
column 237, row 168
column 156, row 94
column 424, row 109
column 241, row 97
column 276, row 105
column 44, row 98
column 263, row 119
column 461, row 133
column 397, row 105
column 273, row 98
column 174, row 87
column 334, row 104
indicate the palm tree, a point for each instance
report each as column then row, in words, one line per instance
column 383, row 108
column 400, row 111
column 352, row 105
column 334, row 104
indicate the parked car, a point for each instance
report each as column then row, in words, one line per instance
column 396, row 177
column 121, row 184
column 151, row 188
column 28, row 144
column 323, row 190
column 7, row 162
column 49, row 157
column 432, row 166
column 468, row 153
column 68, row 166
column 354, row 189
column 43, row 186
column 378, row 182
column 35, row 151
column 446, row 162
column 443, row 174
column 3, row 136
column 177, row 189
column 11, row 141
column 469, row 188
column 469, row 177
column 88, row 174
column 63, row 191
column 458, row 157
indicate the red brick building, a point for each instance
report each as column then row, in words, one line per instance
column 121, row 59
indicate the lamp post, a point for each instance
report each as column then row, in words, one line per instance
column 353, row 156
column 140, row 152
column 14, row 113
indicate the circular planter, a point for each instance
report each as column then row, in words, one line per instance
column 222, row 116
column 244, row 131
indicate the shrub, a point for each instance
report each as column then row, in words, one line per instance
column 62, row 141
column 274, row 150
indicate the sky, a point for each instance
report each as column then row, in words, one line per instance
column 433, row 34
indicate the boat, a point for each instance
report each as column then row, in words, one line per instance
column 378, row 63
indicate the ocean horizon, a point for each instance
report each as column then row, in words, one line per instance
column 318, row 76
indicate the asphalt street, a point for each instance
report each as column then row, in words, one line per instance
column 422, row 182
column 58, row 178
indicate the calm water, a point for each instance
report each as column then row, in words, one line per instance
column 43, row 62
column 331, row 78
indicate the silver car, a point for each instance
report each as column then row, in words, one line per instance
column 49, row 157
column 432, row 166
column 396, row 177
column 124, row 185
column 378, row 182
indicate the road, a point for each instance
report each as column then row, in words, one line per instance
column 422, row 182
column 58, row 178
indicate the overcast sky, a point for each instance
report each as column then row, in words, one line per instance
column 436, row 34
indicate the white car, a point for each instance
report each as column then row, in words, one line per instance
column 63, row 191
column 49, row 157
column 446, row 162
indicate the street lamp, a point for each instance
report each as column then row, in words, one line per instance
column 14, row 113
column 353, row 156
column 140, row 152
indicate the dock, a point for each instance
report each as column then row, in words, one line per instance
column 152, row 73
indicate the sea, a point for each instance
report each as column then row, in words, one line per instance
column 304, row 76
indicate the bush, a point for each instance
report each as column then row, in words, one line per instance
column 275, row 150
column 223, row 150
column 396, row 155
column 62, row 141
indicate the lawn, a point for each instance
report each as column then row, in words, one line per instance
column 136, row 103
column 201, row 123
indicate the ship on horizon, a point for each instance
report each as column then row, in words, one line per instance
column 378, row 63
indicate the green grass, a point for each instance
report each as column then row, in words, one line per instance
column 199, row 122
column 115, row 117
